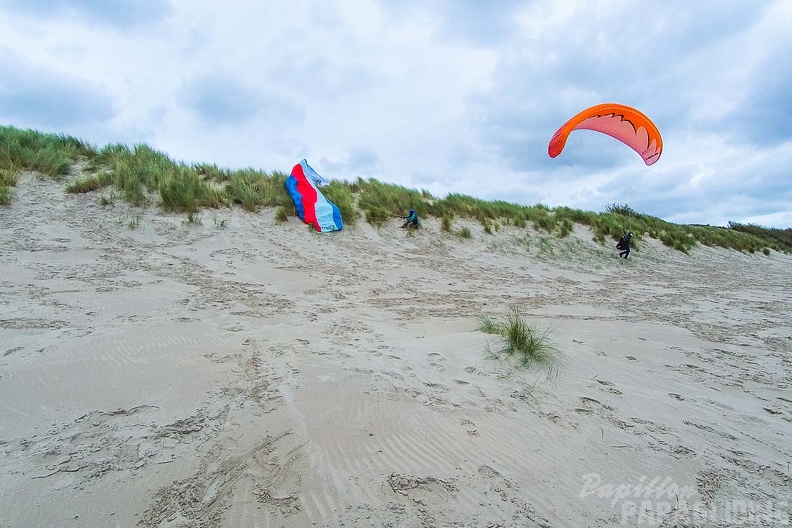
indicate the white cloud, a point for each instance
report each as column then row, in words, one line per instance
column 458, row 96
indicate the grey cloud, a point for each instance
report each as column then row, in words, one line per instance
column 31, row 96
column 764, row 116
column 220, row 99
column 360, row 160
column 732, row 196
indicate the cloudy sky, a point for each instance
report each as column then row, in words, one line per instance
column 444, row 95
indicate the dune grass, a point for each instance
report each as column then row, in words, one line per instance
column 464, row 232
column 522, row 343
column 341, row 194
column 48, row 154
column 281, row 214
column 8, row 179
column 143, row 176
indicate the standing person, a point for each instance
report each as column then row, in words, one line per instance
column 624, row 245
column 412, row 220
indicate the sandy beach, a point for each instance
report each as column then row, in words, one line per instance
column 244, row 372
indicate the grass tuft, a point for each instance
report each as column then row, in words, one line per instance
column 281, row 214
column 89, row 183
column 9, row 177
column 523, row 343
column 464, row 232
column 184, row 190
column 5, row 194
column 490, row 326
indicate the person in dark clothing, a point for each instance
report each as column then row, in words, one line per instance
column 412, row 220
column 624, row 245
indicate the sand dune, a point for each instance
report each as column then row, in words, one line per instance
column 241, row 372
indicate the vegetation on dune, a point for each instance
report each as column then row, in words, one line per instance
column 8, row 179
column 143, row 176
column 782, row 236
column 521, row 342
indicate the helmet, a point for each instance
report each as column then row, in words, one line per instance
column 412, row 210
column 630, row 234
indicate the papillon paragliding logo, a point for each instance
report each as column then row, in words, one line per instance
column 621, row 122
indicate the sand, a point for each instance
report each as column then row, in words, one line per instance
column 244, row 372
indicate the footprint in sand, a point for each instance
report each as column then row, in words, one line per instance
column 434, row 358
column 680, row 451
column 609, row 388
column 474, row 370
column 269, row 472
column 469, row 426
column 590, row 405
column 496, row 482
column 421, row 491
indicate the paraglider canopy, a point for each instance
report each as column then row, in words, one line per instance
column 624, row 123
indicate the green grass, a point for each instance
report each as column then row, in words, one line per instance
column 522, row 343
column 5, row 194
column 8, row 178
column 254, row 189
column 281, row 214
column 141, row 176
column 212, row 172
column 48, row 154
column 183, row 190
column 340, row 194
column 106, row 199
column 89, row 183
column 490, row 326
column 133, row 220
column 464, row 232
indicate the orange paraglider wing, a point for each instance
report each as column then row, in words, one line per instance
column 624, row 123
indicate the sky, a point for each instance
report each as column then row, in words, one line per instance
column 449, row 96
